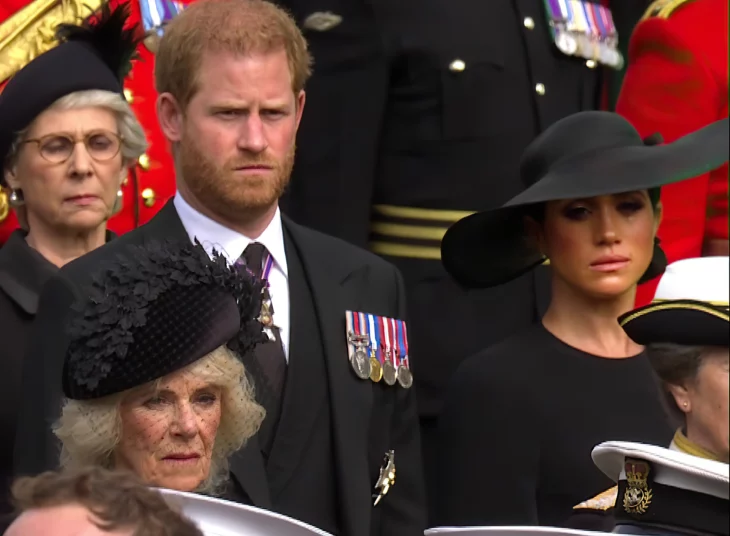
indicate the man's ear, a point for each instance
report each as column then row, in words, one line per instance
column 301, row 100
column 170, row 117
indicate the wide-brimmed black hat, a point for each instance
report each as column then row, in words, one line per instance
column 154, row 310
column 94, row 55
column 584, row 155
column 690, row 306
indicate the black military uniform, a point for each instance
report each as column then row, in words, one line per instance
column 417, row 115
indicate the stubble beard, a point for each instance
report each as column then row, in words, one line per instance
column 234, row 198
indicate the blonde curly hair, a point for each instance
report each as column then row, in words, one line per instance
column 91, row 430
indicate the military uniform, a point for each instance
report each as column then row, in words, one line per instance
column 677, row 82
column 151, row 183
column 416, row 115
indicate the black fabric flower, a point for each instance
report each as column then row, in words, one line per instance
column 154, row 310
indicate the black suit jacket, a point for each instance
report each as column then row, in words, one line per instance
column 367, row 418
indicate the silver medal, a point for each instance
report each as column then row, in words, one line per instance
column 361, row 364
column 566, row 43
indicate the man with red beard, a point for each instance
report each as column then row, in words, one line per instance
column 334, row 376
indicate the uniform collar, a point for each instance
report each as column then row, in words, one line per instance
column 682, row 444
column 213, row 235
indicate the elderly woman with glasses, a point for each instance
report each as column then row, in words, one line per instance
column 67, row 137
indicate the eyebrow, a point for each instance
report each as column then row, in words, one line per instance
column 277, row 104
column 73, row 134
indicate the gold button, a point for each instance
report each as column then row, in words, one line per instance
column 149, row 197
column 457, row 66
column 591, row 64
column 529, row 23
column 129, row 96
column 540, row 89
column 125, row 181
column 144, row 162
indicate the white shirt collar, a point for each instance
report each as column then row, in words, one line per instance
column 212, row 234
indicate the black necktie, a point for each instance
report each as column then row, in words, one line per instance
column 269, row 369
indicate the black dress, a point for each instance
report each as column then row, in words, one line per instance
column 23, row 271
column 520, row 421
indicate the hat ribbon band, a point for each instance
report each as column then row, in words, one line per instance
column 666, row 306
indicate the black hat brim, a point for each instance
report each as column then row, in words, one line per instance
column 490, row 248
column 683, row 322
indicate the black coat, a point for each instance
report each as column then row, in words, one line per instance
column 367, row 419
column 23, row 272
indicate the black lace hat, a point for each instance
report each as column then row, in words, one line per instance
column 584, row 155
column 154, row 310
column 94, row 55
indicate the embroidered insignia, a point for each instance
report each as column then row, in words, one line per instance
column 321, row 21
column 638, row 494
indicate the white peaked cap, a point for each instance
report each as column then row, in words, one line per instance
column 669, row 467
column 510, row 531
column 217, row 517
column 704, row 279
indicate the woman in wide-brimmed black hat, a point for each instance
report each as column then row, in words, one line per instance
column 521, row 418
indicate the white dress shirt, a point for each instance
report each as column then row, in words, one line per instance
column 213, row 235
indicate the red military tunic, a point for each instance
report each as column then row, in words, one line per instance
column 677, row 82
column 155, row 177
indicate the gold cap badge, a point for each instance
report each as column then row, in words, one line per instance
column 638, row 494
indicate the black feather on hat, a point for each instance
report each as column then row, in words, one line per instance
column 94, row 55
column 110, row 35
column 154, row 310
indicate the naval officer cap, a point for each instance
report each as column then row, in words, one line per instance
column 690, row 306
column 217, row 517
column 509, row 531
column 665, row 491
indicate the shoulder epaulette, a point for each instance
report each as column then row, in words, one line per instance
column 664, row 8
column 603, row 501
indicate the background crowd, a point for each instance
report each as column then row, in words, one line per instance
column 413, row 123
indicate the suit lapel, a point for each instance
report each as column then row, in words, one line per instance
column 351, row 399
column 306, row 386
column 248, row 467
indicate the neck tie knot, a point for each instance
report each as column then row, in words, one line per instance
column 253, row 256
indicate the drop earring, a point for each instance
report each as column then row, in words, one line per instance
column 16, row 198
column 118, row 202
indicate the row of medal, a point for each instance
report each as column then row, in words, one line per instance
column 585, row 29
column 378, row 348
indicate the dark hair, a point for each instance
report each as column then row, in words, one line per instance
column 118, row 500
column 675, row 364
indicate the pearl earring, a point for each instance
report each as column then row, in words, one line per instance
column 16, row 198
